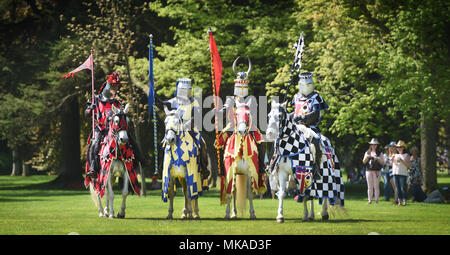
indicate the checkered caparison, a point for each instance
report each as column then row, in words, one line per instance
column 294, row 146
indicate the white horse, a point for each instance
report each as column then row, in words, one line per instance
column 291, row 151
column 116, row 160
column 181, row 161
column 241, row 178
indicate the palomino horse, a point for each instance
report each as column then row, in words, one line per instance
column 116, row 161
column 293, row 157
column 242, row 177
column 182, row 162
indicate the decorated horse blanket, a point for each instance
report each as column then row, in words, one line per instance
column 110, row 151
column 183, row 153
column 295, row 148
column 239, row 147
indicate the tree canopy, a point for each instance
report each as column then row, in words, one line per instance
column 382, row 66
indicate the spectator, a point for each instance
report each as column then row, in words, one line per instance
column 400, row 164
column 374, row 160
column 388, row 177
column 415, row 177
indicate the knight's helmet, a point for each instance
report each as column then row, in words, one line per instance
column 306, row 83
column 112, row 83
column 241, row 82
column 184, row 88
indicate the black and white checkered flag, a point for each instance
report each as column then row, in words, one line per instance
column 298, row 45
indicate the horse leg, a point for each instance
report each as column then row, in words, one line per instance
column 110, row 196
column 121, row 214
column 282, row 179
column 227, row 211
column 97, row 200
column 195, row 207
column 250, row 198
column 234, row 209
column 305, row 209
column 324, row 212
column 171, row 197
column 101, row 213
column 311, row 213
column 187, row 202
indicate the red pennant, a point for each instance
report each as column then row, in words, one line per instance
column 216, row 62
column 88, row 64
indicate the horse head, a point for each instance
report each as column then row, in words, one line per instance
column 119, row 124
column 173, row 125
column 277, row 115
column 242, row 118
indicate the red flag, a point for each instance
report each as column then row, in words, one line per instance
column 216, row 63
column 88, row 64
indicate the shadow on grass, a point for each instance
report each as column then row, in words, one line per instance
column 295, row 221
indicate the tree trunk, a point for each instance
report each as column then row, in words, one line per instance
column 428, row 137
column 71, row 174
column 25, row 168
column 17, row 164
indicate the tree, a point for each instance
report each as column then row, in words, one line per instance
column 415, row 66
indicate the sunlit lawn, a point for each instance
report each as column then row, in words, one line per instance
column 28, row 205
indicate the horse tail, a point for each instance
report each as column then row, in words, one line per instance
column 94, row 195
column 241, row 193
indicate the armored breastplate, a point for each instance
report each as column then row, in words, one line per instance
column 303, row 105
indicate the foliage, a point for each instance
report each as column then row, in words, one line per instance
column 378, row 64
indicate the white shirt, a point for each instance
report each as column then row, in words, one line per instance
column 398, row 167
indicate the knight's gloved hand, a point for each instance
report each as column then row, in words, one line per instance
column 299, row 118
column 92, row 106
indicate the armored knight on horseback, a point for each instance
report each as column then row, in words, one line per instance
column 241, row 102
column 102, row 108
column 308, row 105
column 188, row 107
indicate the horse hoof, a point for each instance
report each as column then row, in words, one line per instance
column 169, row 217
column 325, row 217
column 111, row 216
column 196, row 217
column 310, row 219
column 120, row 216
column 305, row 219
column 253, row 217
column 233, row 217
column 280, row 220
column 183, row 216
column 227, row 217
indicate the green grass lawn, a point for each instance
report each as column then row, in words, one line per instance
column 29, row 205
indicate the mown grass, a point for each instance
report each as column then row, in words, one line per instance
column 30, row 206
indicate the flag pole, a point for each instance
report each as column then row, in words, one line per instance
column 92, row 79
column 153, row 105
column 215, row 105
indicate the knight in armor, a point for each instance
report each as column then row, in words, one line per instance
column 102, row 108
column 187, row 108
column 308, row 105
column 241, row 95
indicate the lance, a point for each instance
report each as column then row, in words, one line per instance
column 297, row 64
column 151, row 102
column 92, row 92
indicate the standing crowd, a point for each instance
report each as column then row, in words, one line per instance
column 400, row 170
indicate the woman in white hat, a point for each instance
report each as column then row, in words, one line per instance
column 400, row 164
column 375, row 160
